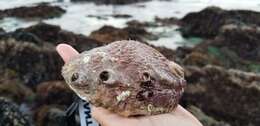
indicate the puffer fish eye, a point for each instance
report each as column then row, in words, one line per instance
column 104, row 76
column 74, row 77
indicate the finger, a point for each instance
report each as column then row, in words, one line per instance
column 102, row 116
column 107, row 118
column 180, row 111
column 66, row 52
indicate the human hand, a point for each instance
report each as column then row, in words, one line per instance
column 179, row 117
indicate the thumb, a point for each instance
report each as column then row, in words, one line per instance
column 107, row 118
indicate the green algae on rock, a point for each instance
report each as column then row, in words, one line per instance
column 232, row 95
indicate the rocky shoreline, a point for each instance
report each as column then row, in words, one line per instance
column 114, row 2
column 41, row 11
column 222, row 71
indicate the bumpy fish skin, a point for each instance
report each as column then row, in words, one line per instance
column 126, row 77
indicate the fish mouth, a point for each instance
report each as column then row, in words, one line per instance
column 82, row 92
column 79, row 85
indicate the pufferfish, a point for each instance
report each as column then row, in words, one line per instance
column 127, row 77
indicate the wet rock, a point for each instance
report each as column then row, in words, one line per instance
column 168, row 53
column 43, row 31
column 199, row 59
column 56, row 35
column 182, row 52
column 121, row 16
column 138, row 24
column 243, row 40
column 116, row 2
column 139, row 34
column 235, row 47
column 108, row 34
column 2, row 30
column 32, row 63
column 39, row 11
column 51, row 116
column 99, row 17
column 30, row 52
column 15, row 90
column 54, row 92
column 225, row 94
column 2, row 33
column 167, row 21
column 10, row 115
column 135, row 23
column 205, row 119
column 194, row 24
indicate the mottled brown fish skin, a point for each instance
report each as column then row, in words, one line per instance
column 126, row 77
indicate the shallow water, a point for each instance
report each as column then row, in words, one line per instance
column 77, row 18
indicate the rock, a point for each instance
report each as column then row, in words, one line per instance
column 51, row 116
column 99, row 17
column 39, row 11
column 10, row 115
column 158, row 22
column 194, row 24
column 108, row 34
column 32, row 63
column 54, row 92
column 205, row 119
column 139, row 34
column 43, row 31
column 225, row 94
column 2, row 30
column 15, row 90
column 167, row 21
column 243, row 40
column 121, row 16
column 138, row 24
column 30, row 52
column 182, row 52
column 116, row 2
column 168, row 53
column 234, row 47
column 56, row 35
column 78, row 41
column 199, row 59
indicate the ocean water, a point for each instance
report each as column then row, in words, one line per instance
column 79, row 16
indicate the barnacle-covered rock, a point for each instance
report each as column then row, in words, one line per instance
column 10, row 115
column 193, row 25
column 32, row 63
column 54, row 92
column 108, row 34
column 55, row 34
column 38, row 11
column 15, row 90
column 226, row 94
column 51, row 116
column 127, row 77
